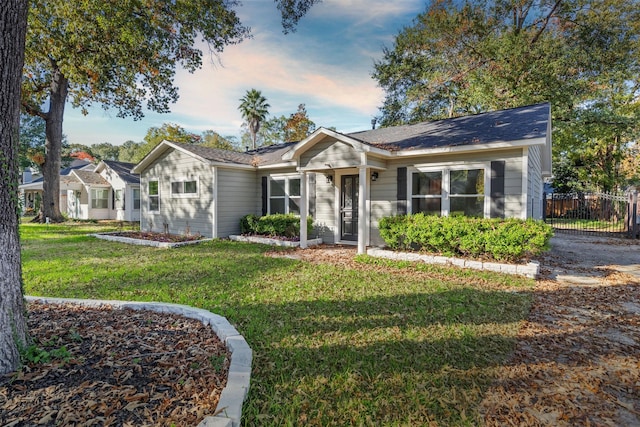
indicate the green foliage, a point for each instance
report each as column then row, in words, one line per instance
column 299, row 125
column 254, row 109
column 500, row 239
column 281, row 225
column 36, row 354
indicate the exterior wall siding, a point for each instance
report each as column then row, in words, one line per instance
column 534, row 184
column 181, row 214
column 236, row 198
column 330, row 151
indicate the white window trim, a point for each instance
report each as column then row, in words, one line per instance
column 149, row 196
column 286, row 177
column 446, row 168
column 133, row 199
column 91, row 198
column 183, row 180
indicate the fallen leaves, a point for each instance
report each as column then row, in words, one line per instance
column 126, row 368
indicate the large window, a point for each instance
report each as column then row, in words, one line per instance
column 184, row 188
column 99, row 198
column 154, row 196
column 467, row 192
column 284, row 195
column 426, row 192
column 136, row 198
column 448, row 191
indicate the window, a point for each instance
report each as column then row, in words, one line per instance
column 448, row 191
column 154, row 196
column 136, row 198
column 467, row 192
column 99, row 198
column 426, row 192
column 184, row 188
column 119, row 199
column 284, row 195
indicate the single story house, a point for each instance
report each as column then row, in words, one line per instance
column 488, row 165
column 106, row 191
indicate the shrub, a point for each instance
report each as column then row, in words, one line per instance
column 500, row 239
column 281, row 225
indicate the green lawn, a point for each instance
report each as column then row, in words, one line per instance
column 384, row 344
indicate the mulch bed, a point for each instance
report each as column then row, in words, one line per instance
column 125, row 367
column 158, row 237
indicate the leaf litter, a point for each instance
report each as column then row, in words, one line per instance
column 125, row 367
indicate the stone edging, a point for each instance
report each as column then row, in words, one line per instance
column 273, row 242
column 143, row 242
column 229, row 407
column 531, row 270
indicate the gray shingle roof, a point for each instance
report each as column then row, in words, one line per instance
column 123, row 169
column 90, row 178
column 262, row 156
column 497, row 126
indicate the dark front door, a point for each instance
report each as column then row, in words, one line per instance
column 349, row 207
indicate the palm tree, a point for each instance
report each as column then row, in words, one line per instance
column 254, row 109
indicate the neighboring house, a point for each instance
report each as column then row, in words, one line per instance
column 31, row 190
column 111, row 191
column 487, row 165
column 106, row 191
column 125, row 189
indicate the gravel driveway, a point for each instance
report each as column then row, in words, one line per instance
column 577, row 360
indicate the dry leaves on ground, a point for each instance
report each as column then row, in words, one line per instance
column 126, row 367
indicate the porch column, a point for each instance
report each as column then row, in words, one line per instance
column 363, row 215
column 304, row 203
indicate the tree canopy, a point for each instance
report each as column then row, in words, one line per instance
column 254, row 109
column 582, row 56
column 119, row 55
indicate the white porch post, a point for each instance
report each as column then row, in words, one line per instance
column 304, row 203
column 363, row 215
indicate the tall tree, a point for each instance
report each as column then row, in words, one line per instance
column 129, row 151
column 120, row 55
column 13, row 328
column 213, row 139
column 299, row 125
column 105, row 151
column 254, row 109
column 476, row 55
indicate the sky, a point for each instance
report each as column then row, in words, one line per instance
column 326, row 65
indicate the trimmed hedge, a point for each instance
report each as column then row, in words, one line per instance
column 500, row 239
column 281, row 225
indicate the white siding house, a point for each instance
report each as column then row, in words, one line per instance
column 487, row 165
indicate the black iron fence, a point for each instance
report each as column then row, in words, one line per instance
column 593, row 213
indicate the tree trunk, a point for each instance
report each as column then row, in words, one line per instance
column 53, row 147
column 13, row 329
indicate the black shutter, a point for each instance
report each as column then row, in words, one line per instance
column 497, row 189
column 402, row 191
column 312, row 194
column 265, row 182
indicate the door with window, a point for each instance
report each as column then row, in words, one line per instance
column 349, row 191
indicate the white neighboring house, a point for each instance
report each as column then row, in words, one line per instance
column 106, row 191
column 125, row 187
column 31, row 190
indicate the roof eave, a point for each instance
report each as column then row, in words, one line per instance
column 320, row 133
column 498, row 145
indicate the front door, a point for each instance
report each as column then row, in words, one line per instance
column 349, row 207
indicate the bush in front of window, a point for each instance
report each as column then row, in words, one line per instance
column 500, row 239
column 278, row 225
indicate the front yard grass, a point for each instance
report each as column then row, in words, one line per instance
column 384, row 344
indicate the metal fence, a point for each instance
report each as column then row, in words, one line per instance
column 593, row 213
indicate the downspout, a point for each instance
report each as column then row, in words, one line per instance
column 304, row 203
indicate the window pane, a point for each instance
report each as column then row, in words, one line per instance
column 176, row 187
column 136, row 198
column 294, row 205
column 467, row 206
column 276, row 206
column 190, row 187
column 277, row 188
column 294, row 187
column 154, row 203
column 153, row 188
column 431, row 206
column 426, row 183
column 119, row 199
column 467, row 181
